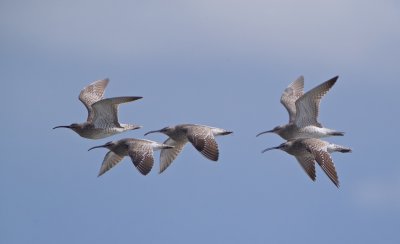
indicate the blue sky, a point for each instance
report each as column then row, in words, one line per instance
column 219, row 63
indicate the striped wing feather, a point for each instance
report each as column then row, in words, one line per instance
column 290, row 95
column 91, row 94
column 106, row 111
column 203, row 140
column 110, row 160
column 308, row 165
column 142, row 158
column 168, row 155
column 307, row 106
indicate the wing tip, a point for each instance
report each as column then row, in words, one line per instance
column 333, row 80
column 300, row 79
column 162, row 169
column 103, row 81
column 144, row 172
column 226, row 133
column 126, row 99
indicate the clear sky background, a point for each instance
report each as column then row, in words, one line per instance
column 219, row 63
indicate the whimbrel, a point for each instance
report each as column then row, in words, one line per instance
column 309, row 150
column 140, row 152
column 303, row 111
column 202, row 138
column 102, row 120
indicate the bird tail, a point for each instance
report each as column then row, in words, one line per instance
column 131, row 127
column 339, row 148
column 336, row 133
column 226, row 133
column 165, row 146
column 220, row 132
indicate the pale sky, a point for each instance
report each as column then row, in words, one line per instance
column 219, row 63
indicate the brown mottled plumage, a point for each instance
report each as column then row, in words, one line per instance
column 140, row 152
column 202, row 138
column 303, row 111
column 309, row 150
column 102, row 119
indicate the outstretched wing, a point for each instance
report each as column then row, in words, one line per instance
column 307, row 163
column 91, row 94
column 142, row 158
column 307, row 106
column 168, row 155
column 290, row 95
column 110, row 160
column 106, row 111
column 324, row 160
column 203, row 140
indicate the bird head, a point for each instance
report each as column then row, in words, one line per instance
column 275, row 130
column 166, row 130
column 73, row 126
column 284, row 147
column 108, row 145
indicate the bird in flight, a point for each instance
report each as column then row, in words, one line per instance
column 140, row 152
column 309, row 150
column 202, row 138
column 303, row 111
column 102, row 120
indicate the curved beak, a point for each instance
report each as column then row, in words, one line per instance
column 137, row 127
column 271, row 148
column 62, row 126
column 268, row 131
column 96, row 147
column 153, row 131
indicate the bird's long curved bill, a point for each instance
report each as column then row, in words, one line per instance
column 62, row 126
column 96, row 147
column 268, row 149
column 264, row 132
column 153, row 131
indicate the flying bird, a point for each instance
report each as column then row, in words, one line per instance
column 140, row 152
column 303, row 111
column 102, row 120
column 309, row 150
column 202, row 138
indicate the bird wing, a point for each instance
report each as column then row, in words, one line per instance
column 110, row 160
column 307, row 163
column 169, row 155
column 203, row 140
column 307, row 106
column 106, row 111
column 324, row 160
column 91, row 94
column 290, row 95
column 142, row 158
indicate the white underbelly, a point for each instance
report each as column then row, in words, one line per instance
column 313, row 131
column 103, row 133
